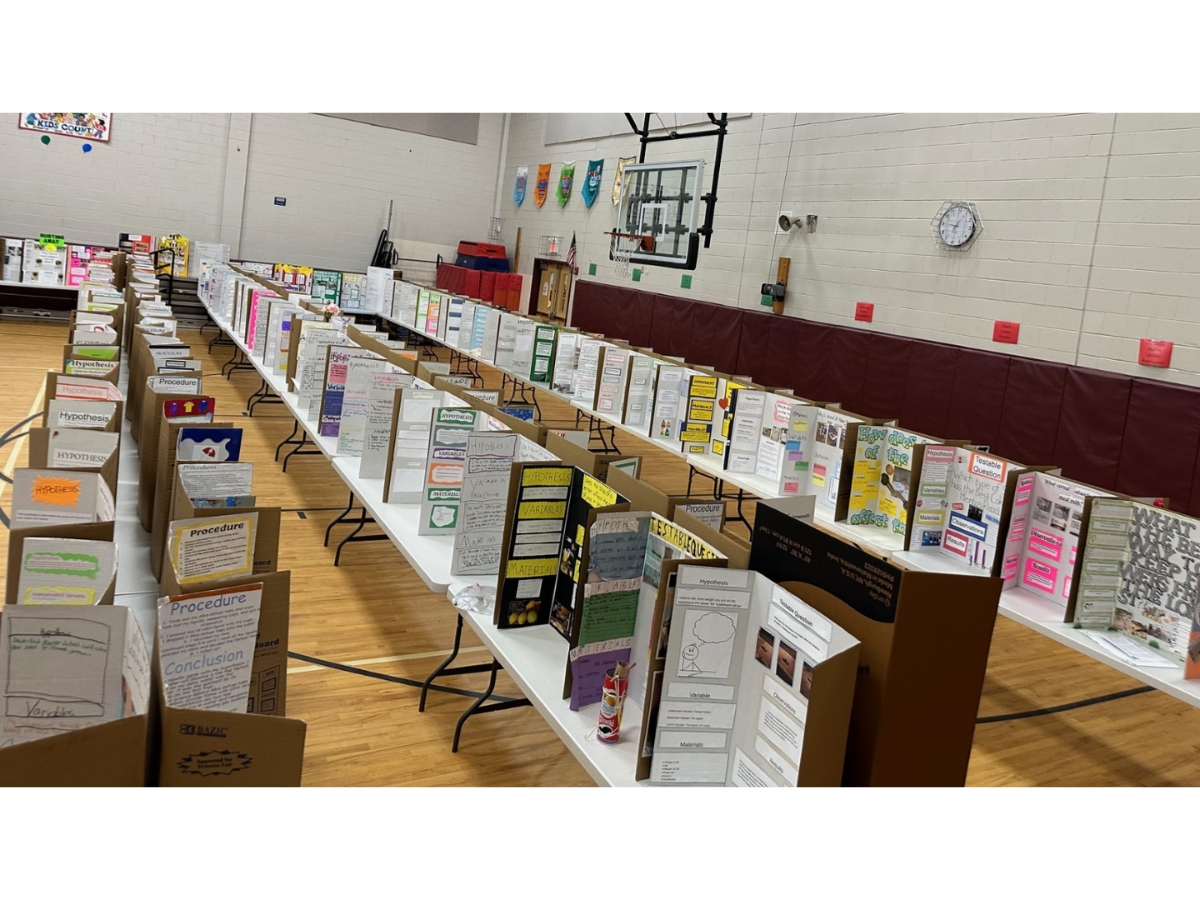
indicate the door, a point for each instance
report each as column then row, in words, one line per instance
column 549, row 278
column 563, row 295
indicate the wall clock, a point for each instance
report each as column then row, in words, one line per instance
column 956, row 225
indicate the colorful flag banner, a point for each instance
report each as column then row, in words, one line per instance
column 566, row 178
column 541, row 188
column 591, row 184
column 519, row 188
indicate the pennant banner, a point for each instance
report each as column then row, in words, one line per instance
column 591, row 184
column 541, row 189
column 519, row 189
column 566, row 178
column 619, row 182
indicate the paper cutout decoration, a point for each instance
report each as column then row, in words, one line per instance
column 566, row 178
column 90, row 126
column 56, row 491
column 542, row 188
column 519, row 188
column 87, row 148
column 190, row 406
column 619, row 181
column 591, row 182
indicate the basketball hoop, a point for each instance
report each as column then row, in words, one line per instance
column 622, row 246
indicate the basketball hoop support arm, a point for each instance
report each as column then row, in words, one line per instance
column 719, row 132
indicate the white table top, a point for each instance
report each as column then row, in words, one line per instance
column 278, row 384
column 429, row 555
column 536, row 659
column 532, row 659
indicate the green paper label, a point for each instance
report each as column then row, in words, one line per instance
column 591, row 268
column 637, row 274
column 685, row 281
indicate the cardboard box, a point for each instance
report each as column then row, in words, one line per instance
column 644, row 495
column 266, row 538
column 737, row 550
column 83, row 418
column 150, row 428
column 200, row 748
column 924, row 636
column 111, row 754
column 39, row 459
column 52, row 388
column 114, row 754
column 96, row 531
column 595, row 464
column 142, row 366
column 109, row 369
column 164, row 483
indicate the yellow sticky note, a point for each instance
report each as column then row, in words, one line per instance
column 597, row 493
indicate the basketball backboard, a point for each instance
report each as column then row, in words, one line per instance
column 660, row 203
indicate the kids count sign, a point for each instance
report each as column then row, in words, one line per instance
column 89, row 126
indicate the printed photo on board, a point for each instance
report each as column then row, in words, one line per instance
column 764, row 647
column 785, row 668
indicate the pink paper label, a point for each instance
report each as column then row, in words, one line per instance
column 1011, row 563
column 1045, row 544
column 1039, row 575
column 1067, row 588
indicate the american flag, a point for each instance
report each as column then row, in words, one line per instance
column 571, row 255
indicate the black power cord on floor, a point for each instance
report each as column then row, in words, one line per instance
column 1065, row 707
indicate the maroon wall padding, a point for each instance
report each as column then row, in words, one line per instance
column 664, row 336
column 1161, row 442
column 977, row 397
column 1032, row 405
column 588, row 312
column 631, row 315
column 806, row 358
column 771, row 348
column 839, row 364
column 754, row 335
column 926, row 405
column 1194, row 506
column 887, row 376
column 1031, row 411
column 715, row 334
column 1091, row 425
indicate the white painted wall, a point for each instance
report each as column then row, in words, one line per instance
column 159, row 174
column 214, row 177
column 338, row 177
column 1091, row 233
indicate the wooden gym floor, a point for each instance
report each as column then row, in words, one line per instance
column 375, row 615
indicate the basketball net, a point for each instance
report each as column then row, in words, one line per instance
column 622, row 253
